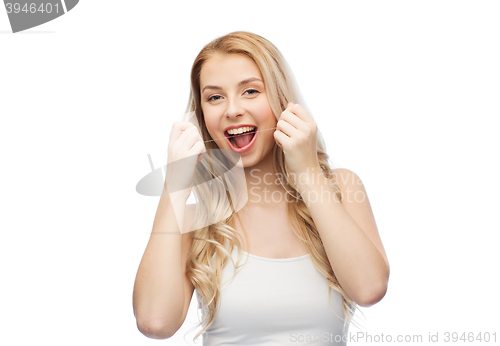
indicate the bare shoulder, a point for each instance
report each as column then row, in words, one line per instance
column 351, row 187
column 347, row 181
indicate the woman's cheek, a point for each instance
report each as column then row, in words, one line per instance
column 265, row 115
column 211, row 123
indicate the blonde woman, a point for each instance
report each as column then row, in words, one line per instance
column 306, row 231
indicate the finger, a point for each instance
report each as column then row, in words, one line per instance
column 200, row 157
column 301, row 112
column 198, row 148
column 292, row 119
column 182, row 141
column 287, row 128
column 189, row 137
column 280, row 138
column 178, row 128
column 196, row 145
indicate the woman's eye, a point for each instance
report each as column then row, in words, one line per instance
column 252, row 91
column 213, row 98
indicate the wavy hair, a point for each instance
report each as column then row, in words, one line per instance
column 209, row 253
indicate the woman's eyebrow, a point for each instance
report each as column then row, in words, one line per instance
column 243, row 82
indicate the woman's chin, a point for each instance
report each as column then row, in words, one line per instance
column 240, row 163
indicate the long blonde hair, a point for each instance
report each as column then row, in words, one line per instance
column 209, row 254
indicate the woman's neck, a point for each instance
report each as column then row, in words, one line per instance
column 263, row 187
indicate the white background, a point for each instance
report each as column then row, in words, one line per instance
column 405, row 93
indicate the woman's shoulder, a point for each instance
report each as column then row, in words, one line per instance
column 344, row 175
column 346, row 180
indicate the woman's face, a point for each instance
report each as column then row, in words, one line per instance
column 233, row 96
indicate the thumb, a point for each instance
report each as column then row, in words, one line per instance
column 200, row 156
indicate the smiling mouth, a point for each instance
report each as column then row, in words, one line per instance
column 241, row 140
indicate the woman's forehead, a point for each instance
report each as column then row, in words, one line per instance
column 227, row 68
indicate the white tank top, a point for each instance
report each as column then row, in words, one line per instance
column 275, row 302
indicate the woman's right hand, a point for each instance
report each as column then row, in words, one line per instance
column 185, row 149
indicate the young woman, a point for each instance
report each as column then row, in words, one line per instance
column 311, row 246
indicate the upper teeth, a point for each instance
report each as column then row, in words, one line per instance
column 240, row 130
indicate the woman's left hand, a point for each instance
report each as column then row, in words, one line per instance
column 296, row 135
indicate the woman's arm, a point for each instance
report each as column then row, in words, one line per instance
column 162, row 291
column 349, row 234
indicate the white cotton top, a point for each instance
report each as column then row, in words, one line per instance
column 274, row 302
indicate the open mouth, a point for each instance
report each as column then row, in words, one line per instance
column 241, row 140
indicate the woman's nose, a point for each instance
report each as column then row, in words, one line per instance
column 234, row 109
